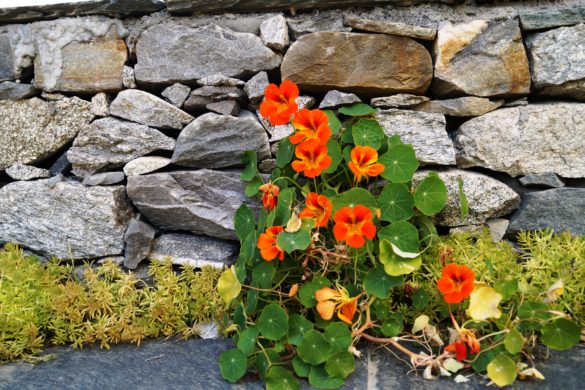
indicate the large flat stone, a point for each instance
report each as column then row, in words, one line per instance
column 550, row 18
column 537, row 138
column 17, row 51
column 369, row 64
column 393, row 28
column 32, row 130
column 202, row 202
column 15, row 91
column 64, row 219
column 169, row 53
column 459, row 107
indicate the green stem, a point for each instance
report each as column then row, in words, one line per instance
column 371, row 255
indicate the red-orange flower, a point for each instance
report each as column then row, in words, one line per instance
column 467, row 343
column 352, row 224
column 310, row 124
column 312, row 158
column 456, row 284
column 364, row 163
column 267, row 244
column 330, row 300
column 459, row 349
column 318, row 207
column 280, row 102
column 270, row 195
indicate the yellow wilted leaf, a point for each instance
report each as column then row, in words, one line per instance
column 419, row 323
column 483, row 303
column 555, row 291
column 228, row 285
column 294, row 223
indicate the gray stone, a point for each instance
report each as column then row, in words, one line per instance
column 557, row 61
column 393, row 28
column 488, row 198
column 323, row 61
column 84, row 54
column 26, row 172
column 537, row 138
column 16, row 91
column 498, row 228
column 202, row 201
column 547, row 179
column 551, row 18
column 335, row 99
column 18, row 51
column 267, row 166
column 523, row 101
column 195, row 251
column 143, row 165
column 460, row 107
column 225, row 107
column 201, row 97
column 425, row 131
column 402, row 100
column 32, row 130
column 176, row 94
column 218, row 80
column 61, row 165
column 128, row 79
column 219, row 141
column 110, row 143
column 104, row 179
column 316, row 21
column 100, row 105
column 256, row 86
column 560, row 209
column 147, row 109
column 64, row 219
column 138, row 238
column 481, row 58
column 169, row 53
column 274, row 33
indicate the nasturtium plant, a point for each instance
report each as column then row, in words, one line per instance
column 334, row 255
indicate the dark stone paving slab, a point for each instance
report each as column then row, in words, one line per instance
column 192, row 364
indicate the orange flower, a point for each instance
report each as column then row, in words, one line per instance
column 456, row 284
column 310, row 124
column 352, row 224
column 267, row 244
column 364, row 163
column 331, row 300
column 293, row 290
column 459, row 349
column 313, row 158
column 270, row 195
column 280, row 102
column 318, row 207
column 467, row 343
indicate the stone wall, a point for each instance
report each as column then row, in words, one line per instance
column 122, row 123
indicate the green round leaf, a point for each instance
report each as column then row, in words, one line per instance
column 400, row 163
column 273, row 322
column 368, row 132
column 247, row 340
column 338, row 336
column 253, row 186
column 394, row 265
column 340, row 364
column 263, row 273
column 286, row 151
column 334, row 151
column 502, row 370
column 314, row 349
column 379, row 283
column 250, row 165
column 352, row 198
column 430, row 195
column 301, row 368
column 506, row 288
column 533, row 310
column 265, row 360
column 232, row 365
column 402, row 234
column 320, row 379
column 396, row 203
column 420, row 299
column 298, row 326
column 334, row 123
column 359, row 109
column 392, row 325
column 244, row 222
column 307, row 291
column 281, row 214
column 290, row 242
column 514, row 341
column 560, row 334
column 279, row 378
column 252, row 299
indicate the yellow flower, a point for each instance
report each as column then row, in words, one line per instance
column 483, row 303
column 336, row 300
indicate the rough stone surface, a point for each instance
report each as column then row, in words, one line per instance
column 128, row 79
column 100, row 104
column 61, row 165
column 560, row 209
column 425, row 131
column 138, row 238
column 32, row 130
column 147, row 109
column 18, row 51
column 547, row 179
column 201, row 97
column 143, row 165
column 316, row 21
column 64, row 219
column 104, row 179
column 219, row 141
column 401, row 100
column 256, row 86
column 218, row 80
column 79, row 54
column 335, row 99
column 26, row 172
column 393, row 28
column 196, row 251
column 523, row 101
column 110, row 143
column 202, row 201
column 460, row 107
column 369, row 64
column 537, row 138
column 15, row 91
column 176, row 94
column 267, row 166
column 557, row 61
column 498, row 228
column 169, row 53
column 225, row 107
column 481, row 58
column 488, row 198
column 550, row 18
column 274, row 33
